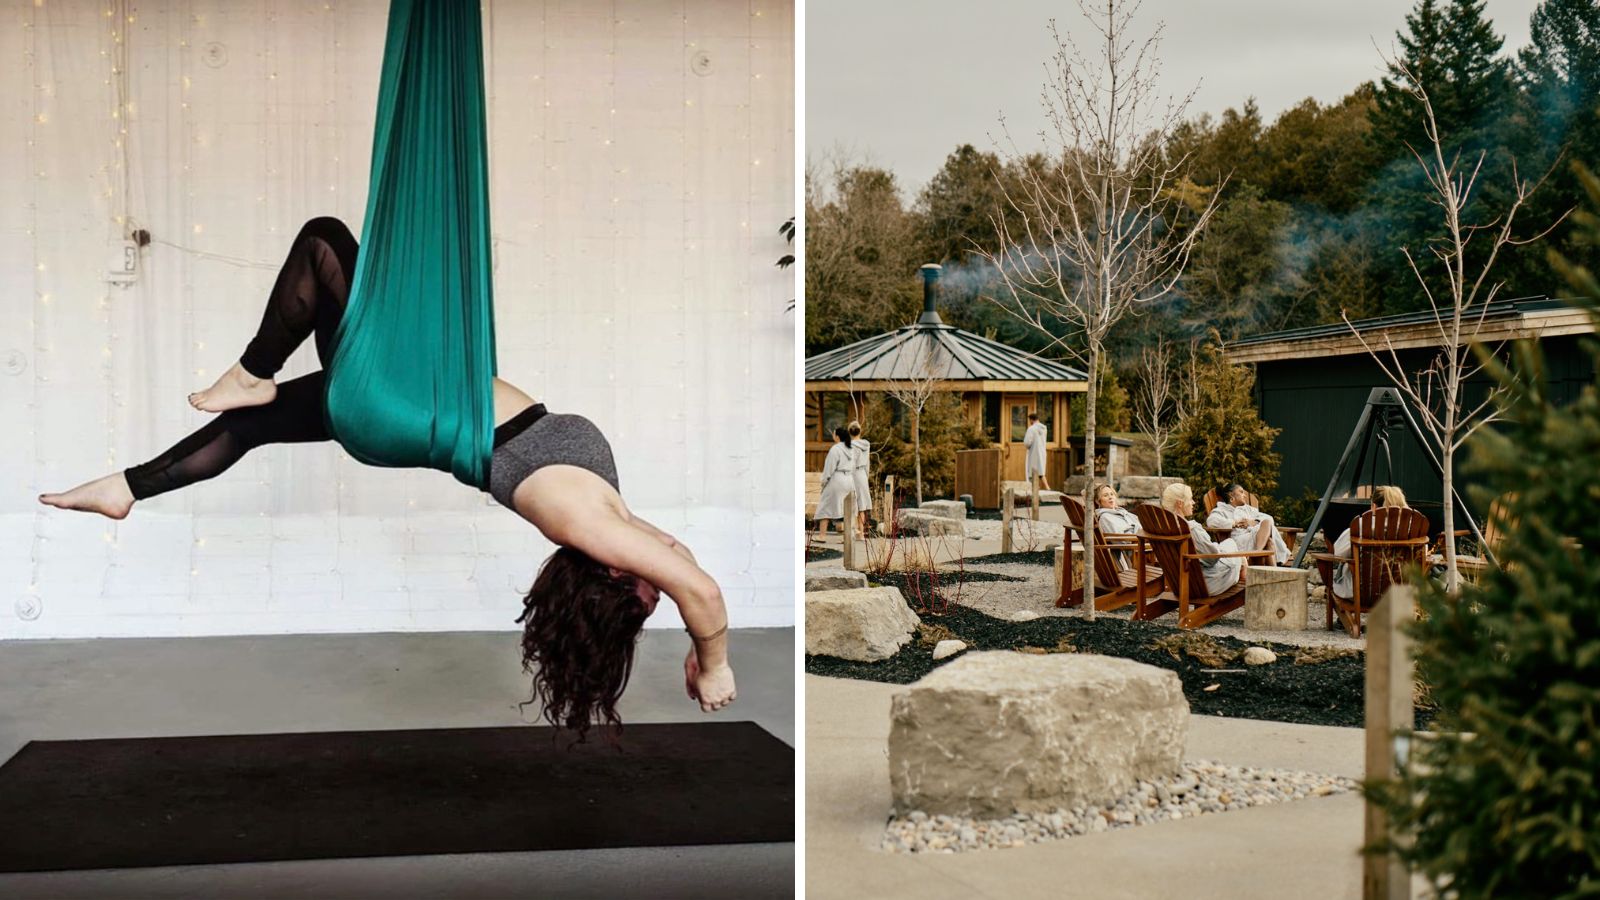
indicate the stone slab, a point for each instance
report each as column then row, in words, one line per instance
column 950, row 509
column 834, row 579
column 862, row 624
column 917, row 521
column 1000, row 732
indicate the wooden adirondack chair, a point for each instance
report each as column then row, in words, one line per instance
column 1172, row 547
column 1291, row 536
column 1499, row 522
column 1383, row 542
column 1116, row 585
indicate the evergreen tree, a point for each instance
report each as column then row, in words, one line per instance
column 957, row 203
column 1452, row 48
column 1224, row 438
column 1560, row 71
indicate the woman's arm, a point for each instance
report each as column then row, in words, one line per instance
column 672, row 543
column 617, row 542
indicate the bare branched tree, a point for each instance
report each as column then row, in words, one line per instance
column 913, row 391
column 1092, row 233
column 1158, row 397
column 1459, row 300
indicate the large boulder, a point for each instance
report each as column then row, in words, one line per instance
column 863, row 624
column 1145, row 487
column 929, row 524
column 834, row 579
column 950, row 509
column 996, row 733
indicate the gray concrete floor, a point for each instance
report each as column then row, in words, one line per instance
column 73, row 689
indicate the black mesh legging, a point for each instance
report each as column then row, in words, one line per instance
column 308, row 299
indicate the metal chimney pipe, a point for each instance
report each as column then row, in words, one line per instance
column 930, row 275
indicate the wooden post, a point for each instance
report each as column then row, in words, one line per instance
column 1389, row 724
column 1034, row 492
column 848, row 526
column 888, row 502
column 1008, row 503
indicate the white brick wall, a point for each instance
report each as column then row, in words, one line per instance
column 659, row 316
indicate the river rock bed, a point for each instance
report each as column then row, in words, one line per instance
column 1199, row 789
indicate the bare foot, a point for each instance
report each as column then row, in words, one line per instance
column 235, row 389
column 108, row 496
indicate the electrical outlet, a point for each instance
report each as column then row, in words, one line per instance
column 122, row 262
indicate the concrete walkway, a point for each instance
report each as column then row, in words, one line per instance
column 1304, row 848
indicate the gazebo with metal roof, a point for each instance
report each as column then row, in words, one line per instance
column 999, row 384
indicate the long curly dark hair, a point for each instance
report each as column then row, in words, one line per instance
column 581, row 623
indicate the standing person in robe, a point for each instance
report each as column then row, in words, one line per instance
column 863, row 453
column 838, row 480
column 1234, row 511
column 1220, row 574
column 1343, row 580
column 589, row 601
column 1033, row 444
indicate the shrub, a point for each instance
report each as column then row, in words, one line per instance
column 1224, row 439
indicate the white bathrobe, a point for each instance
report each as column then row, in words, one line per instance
column 1224, row 514
column 1220, row 574
column 1033, row 441
column 1117, row 520
column 838, row 479
column 863, row 454
column 1344, row 584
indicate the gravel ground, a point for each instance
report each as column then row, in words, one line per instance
column 1026, row 534
column 1200, row 788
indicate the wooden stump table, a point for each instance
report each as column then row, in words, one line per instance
column 1275, row 598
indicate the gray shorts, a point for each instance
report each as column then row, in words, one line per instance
column 522, row 447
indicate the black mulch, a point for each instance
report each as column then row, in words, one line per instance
column 1325, row 693
column 815, row 554
column 1031, row 557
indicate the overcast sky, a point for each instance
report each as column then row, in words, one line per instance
column 902, row 83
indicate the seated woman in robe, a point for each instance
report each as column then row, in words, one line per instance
column 1235, row 512
column 1220, row 574
column 1343, row 585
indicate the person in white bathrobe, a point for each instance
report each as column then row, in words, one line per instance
column 863, row 453
column 1343, row 582
column 1112, row 518
column 1233, row 511
column 1220, row 574
column 838, row 479
column 1033, row 443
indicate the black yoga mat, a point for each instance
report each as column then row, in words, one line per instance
column 244, row 798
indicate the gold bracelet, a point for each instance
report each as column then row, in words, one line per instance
column 714, row 634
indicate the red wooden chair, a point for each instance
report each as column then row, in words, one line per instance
column 1383, row 543
column 1291, row 536
column 1116, row 585
column 1173, row 548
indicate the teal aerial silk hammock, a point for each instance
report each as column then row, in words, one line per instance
column 411, row 380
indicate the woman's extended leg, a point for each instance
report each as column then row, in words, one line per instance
column 308, row 299
column 293, row 416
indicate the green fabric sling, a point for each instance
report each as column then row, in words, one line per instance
column 411, row 380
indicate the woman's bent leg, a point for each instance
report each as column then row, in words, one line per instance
column 308, row 298
column 294, row 416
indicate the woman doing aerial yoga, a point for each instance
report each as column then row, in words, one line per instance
column 405, row 333
column 585, row 610
column 589, row 601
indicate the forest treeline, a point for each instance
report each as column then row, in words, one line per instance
column 1316, row 206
